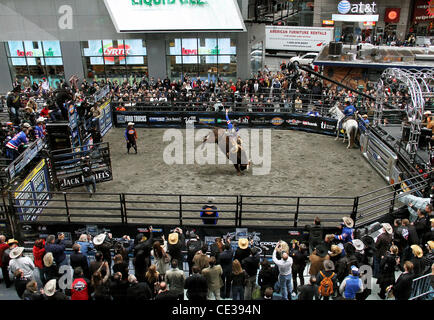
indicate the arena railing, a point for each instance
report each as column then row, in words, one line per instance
column 421, row 287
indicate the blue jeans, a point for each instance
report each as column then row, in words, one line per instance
column 237, row 293
column 285, row 283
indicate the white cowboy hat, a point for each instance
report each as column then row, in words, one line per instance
column 427, row 112
column 130, row 123
column 40, row 119
column 387, row 227
column 358, row 244
column 210, row 199
column 99, row 239
column 16, row 252
column 26, row 125
column 50, row 288
column 348, row 222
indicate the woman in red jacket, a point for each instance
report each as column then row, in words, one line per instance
column 38, row 254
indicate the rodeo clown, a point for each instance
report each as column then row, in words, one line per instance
column 131, row 137
column 232, row 132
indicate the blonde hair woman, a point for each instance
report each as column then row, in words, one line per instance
column 239, row 280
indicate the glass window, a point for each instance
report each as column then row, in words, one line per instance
column 227, row 46
column 174, row 47
column 37, row 60
column 208, row 46
column 227, row 67
column 174, row 67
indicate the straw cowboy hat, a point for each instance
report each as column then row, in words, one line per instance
column 99, row 239
column 173, row 238
column 50, row 288
column 364, row 116
column 387, row 227
column 348, row 222
column 243, row 243
column 12, row 241
column 335, row 251
column 431, row 244
column 417, row 251
column 130, row 123
column 16, row 252
column 358, row 244
column 48, row 259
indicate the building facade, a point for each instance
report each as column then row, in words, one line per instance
column 59, row 38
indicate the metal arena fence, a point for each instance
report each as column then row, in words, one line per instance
column 29, row 207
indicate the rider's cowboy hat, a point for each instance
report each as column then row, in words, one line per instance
column 99, row 239
column 16, row 252
column 348, row 222
column 387, row 227
column 358, row 244
column 130, row 123
column 243, row 243
column 173, row 238
column 50, row 288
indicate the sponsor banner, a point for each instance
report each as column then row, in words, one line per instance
column 423, row 11
column 202, row 119
column 297, row 38
column 78, row 179
column 31, row 192
column 24, row 159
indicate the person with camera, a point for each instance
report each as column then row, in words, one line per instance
column 103, row 243
column 57, row 248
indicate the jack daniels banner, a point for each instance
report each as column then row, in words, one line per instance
column 205, row 119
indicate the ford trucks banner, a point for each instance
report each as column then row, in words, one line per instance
column 297, row 38
column 175, row 15
column 210, row 119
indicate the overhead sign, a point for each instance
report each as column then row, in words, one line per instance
column 392, row 15
column 355, row 17
column 175, row 15
column 345, row 7
column 423, row 11
column 297, row 38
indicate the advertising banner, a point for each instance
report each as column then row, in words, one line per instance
column 105, row 119
column 25, row 195
column 297, row 38
column 164, row 16
column 214, row 119
column 423, row 11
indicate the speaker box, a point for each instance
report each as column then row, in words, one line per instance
column 335, row 48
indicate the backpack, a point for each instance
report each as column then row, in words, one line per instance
column 326, row 286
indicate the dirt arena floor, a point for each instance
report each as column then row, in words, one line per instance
column 302, row 164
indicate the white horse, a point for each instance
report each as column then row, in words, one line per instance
column 350, row 126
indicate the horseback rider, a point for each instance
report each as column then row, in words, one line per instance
column 349, row 113
column 232, row 132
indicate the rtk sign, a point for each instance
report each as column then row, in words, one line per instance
column 345, row 7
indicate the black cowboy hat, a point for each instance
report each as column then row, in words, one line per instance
column 321, row 250
column 368, row 241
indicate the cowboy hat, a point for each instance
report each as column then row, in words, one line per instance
column 329, row 265
column 210, row 199
column 243, row 243
column 16, row 252
column 365, row 116
column 50, row 288
column 12, row 241
column 321, row 251
column 40, row 119
column 173, row 238
column 387, row 227
column 427, row 112
column 358, row 244
column 48, row 259
column 130, row 123
column 26, row 125
column 335, row 251
column 99, row 239
column 417, row 251
column 348, row 222
column 431, row 244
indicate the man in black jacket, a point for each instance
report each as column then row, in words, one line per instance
column 196, row 285
column 315, row 234
column 251, row 265
column 421, row 223
column 308, row 291
column 142, row 254
column 403, row 286
column 193, row 246
column 77, row 259
column 138, row 291
column 175, row 244
column 226, row 259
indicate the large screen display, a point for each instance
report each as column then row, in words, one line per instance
column 175, row 15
